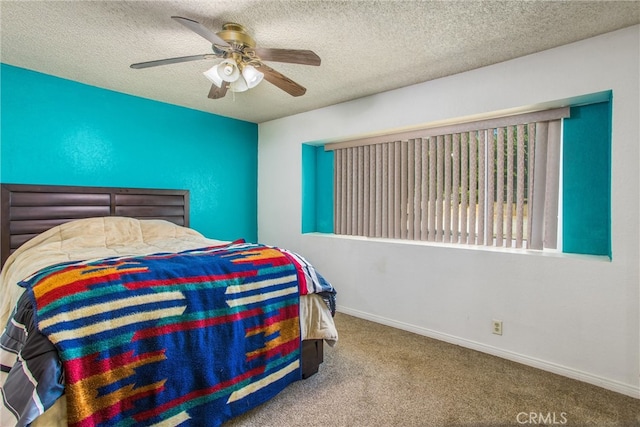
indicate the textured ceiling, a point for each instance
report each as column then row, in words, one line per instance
column 366, row 47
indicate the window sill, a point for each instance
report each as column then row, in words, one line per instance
column 482, row 248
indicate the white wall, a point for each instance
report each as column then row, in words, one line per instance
column 577, row 316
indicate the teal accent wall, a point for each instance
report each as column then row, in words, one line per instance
column 56, row 131
column 586, row 192
column 317, row 189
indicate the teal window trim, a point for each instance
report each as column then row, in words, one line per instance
column 317, row 189
column 586, row 178
column 309, row 195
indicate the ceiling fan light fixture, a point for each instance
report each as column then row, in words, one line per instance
column 228, row 70
column 252, row 76
column 239, row 85
column 213, row 76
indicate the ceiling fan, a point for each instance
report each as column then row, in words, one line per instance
column 241, row 67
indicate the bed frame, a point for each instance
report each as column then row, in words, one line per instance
column 28, row 210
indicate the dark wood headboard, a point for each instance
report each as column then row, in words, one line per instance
column 28, row 210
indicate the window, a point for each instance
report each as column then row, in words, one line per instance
column 584, row 215
column 493, row 182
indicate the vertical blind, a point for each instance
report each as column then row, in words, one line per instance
column 493, row 182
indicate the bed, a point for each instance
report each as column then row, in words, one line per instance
column 141, row 320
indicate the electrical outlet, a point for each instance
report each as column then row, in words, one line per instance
column 497, row 326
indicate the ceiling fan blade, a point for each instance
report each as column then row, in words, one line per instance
column 282, row 81
column 172, row 60
column 201, row 30
column 292, row 56
column 217, row 92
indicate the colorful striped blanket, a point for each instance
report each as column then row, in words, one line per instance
column 189, row 338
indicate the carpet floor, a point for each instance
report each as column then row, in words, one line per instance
column 381, row 376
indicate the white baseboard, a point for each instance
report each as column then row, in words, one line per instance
column 626, row 389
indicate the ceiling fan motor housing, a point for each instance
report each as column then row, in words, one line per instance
column 236, row 33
